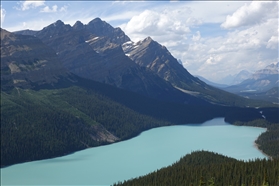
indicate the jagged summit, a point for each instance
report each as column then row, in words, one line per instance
column 78, row 25
column 102, row 28
column 103, row 53
column 148, row 39
column 58, row 22
column 96, row 20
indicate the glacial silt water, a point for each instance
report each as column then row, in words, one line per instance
column 151, row 150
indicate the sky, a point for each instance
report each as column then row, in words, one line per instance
column 213, row 39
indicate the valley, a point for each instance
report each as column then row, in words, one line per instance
column 66, row 89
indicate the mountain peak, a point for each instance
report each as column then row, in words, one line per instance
column 78, row 25
column 102, row 28
column 58, row 23
column 148, row 39
column 96, row 21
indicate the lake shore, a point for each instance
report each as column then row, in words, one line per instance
column 257, row 146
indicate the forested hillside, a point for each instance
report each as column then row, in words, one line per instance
column 51, row 121
column 209, row 169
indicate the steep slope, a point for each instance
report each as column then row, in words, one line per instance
column 47, row 112
column 152, row 55
column 94, row 51
column 25, row 60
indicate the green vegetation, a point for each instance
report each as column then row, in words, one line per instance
column 48, row 123
column 65, row 117
column 209, row 169
column 268, row 141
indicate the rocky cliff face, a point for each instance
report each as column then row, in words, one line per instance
column 99, row 52
column 25, row 60
column 150, row 54
column 94, row 51
column 101, row 28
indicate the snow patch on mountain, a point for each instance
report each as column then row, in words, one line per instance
column 91, row 39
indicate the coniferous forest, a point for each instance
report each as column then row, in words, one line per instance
column 63, row 120
column 209, row 169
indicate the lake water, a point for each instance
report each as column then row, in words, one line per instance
column 149, row 151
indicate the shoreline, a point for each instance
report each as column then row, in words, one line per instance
column 257, row 147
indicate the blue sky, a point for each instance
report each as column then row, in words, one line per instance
column 213, row 39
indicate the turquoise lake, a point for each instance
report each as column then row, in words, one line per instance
column 151, row 150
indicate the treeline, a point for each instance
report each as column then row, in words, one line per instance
column 48, row 123
column 209, row 169
column 53, row 121
column 268, row 141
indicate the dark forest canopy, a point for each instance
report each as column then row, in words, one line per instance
column 209, row 169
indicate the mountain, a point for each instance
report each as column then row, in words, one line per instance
column 155, row 57
column 241, row 76
column 26, row 60
column 48, row 110
column 260, row 81
column 99, row 52
column 94, row 51
column 272, row 69
column 261, row 85
column 236, row 78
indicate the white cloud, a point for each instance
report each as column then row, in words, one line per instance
column 26, row 5
column 54, row 8
column 157, row 25
column 3, row 14
column 197, row 37
column 189, row 29
column 46, row 9
column 250, row 14
column 63, row 9
column 272, row 42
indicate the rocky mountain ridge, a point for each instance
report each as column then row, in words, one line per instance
column 26, row 60
column 155, row 57
column 99, row 52
column 101, row 58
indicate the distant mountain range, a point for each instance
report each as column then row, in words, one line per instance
column 235, row 79
column 263, row 84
